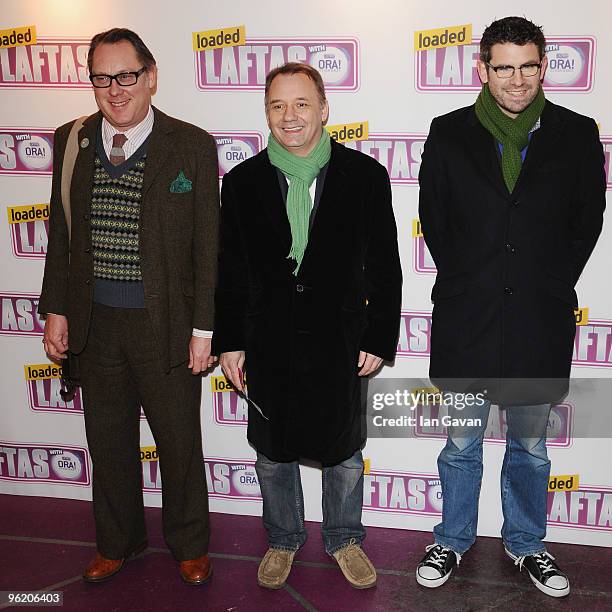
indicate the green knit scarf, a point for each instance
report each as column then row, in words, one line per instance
column 301, row 172
column 512, row 133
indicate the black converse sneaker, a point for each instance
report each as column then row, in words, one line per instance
column 544, row 573
column 436, row 566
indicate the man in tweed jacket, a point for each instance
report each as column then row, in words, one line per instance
column 130, row 290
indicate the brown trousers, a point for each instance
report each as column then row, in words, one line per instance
column 121, row 370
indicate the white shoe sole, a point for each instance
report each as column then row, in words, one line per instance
column 548, row 590
column 542, row 587
column 432, row 583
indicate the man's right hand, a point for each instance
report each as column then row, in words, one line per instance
column 232, row 364
column 55, row 338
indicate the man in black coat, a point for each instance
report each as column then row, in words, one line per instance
column 308, row 300
column 510, row 219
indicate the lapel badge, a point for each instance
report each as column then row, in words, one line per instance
column 84, row 143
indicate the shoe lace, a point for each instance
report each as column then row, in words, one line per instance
column 543, row 560
column 349, row 547
column 438, row 555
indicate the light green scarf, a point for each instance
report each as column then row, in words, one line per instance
column 512, row 133
column 301, row 172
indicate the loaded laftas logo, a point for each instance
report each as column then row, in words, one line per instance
column 227, row 60
column 29, row 225
column 422, row 260
column 44, row 386
column 399, row 153
column 402, row 492
column 19, row 315
column 17, row 37
column 26, row 152
column 226, row 478
column 346, row 132
column 229, row 407
column 442, row 37
column 68, row 465
column 575, row 505
column 442, row 65
column 593, row 342
column 235, row 147
column 47, row 63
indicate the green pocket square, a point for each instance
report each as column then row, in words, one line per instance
column 181, row 184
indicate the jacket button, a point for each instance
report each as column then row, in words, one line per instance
column 510, row 248
column 88, row 250
column 88, row 282
column 515, row 203
column 508, row 290
column 299, row 288
column 86, row 217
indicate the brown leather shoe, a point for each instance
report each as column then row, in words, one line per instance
column 196, row 571
column 100, row 568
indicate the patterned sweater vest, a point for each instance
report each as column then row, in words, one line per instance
column 115, row 220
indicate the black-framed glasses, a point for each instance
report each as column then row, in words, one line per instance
column 507, row 72
column 125, row 79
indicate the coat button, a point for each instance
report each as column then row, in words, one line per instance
column 515, row 203
column 88, row 250
column 510, row 248
column 508, row 290
column 86, row 217
column 299, row 288
column 88, row 282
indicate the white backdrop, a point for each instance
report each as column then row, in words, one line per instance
column 373, row 75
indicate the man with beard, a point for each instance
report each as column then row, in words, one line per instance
column 512, row 191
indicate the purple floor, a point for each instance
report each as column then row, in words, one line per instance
column 46, row 543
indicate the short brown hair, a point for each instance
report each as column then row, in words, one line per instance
column 115, row 35
column 513, row 30
column 297, row 68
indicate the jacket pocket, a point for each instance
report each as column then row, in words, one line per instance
column 448, row 287
column 561, row 290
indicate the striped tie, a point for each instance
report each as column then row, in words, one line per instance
column 117, row 154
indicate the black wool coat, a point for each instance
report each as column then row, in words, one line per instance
column 302, row 334
column 507, row 262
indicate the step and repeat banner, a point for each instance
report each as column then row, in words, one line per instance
column 388, row 71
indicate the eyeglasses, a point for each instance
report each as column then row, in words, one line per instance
column 507, row 72
column 125, row 79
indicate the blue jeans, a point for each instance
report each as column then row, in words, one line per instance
column 524, row 479
column 283, row 503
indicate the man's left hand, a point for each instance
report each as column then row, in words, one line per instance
column 368, row 363
column 200, row 358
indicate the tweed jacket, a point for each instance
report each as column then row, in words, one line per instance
column 177, row 235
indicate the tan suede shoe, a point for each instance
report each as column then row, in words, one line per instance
column 274, row 568
column 356, row 566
